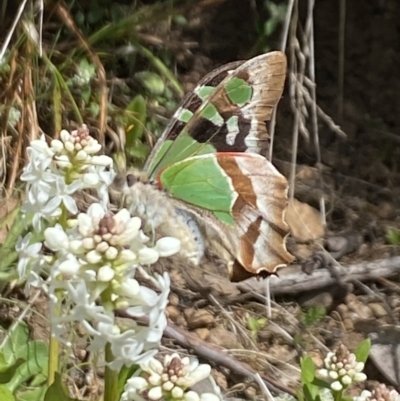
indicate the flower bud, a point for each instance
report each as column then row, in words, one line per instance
column 105, row 273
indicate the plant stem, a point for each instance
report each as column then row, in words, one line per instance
column 110, row 378
column 337, row 395
column 54, row 349
column 53, row 360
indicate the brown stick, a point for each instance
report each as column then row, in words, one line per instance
column 212, row 353
column 293, row 281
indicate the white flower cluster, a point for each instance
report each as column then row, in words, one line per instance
column 55, row 172
column 91, row 258
column 342, row 368
column 380, row 393
column 170, row 380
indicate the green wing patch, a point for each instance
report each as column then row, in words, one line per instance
column 238, row 91
column 201, row 182
column 173, row 151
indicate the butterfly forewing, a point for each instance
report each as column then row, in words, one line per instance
column 237, row 114
column 190, row 103
column 232, row 117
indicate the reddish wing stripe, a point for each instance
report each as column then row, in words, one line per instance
column 258, row 211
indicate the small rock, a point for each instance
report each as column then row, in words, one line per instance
column 304, row 221
column 348, row 324
column 377, row 309
column 307, row 174
column 332, row 324
column 181, row 321
column 81, row 354
column 223, row 338
column 354, row 305
column 303, row 251
column 280, row 352
column 89, row 378
column 200, row 318
column 250, row 393
column 172, row 312
column 202, row 333
column 173, row 299
column 363, row 311
column 317, row 358
column 386, row 211
column 351, row 298
column 342, row 310
column 220, row 379
column 324, row 299
column 187, row 313
column 394, row 301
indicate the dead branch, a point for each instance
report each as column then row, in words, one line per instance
column 293, row 281
column 214, row 354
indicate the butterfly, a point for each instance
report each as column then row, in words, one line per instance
column 207, row 181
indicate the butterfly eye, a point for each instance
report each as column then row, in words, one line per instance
column 130, row 180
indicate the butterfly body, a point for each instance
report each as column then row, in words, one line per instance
column 162, row 215
column 208, row 184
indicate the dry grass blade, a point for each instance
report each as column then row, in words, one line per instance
column 303, row 98
column 11, row 31
column 65, row 16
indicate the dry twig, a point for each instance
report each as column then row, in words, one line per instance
column 214, row 354
column 293, row 281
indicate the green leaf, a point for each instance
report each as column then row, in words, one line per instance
column 310, row 392
column 321, row 383
column 151, row 81
column 36, row 394
column 8, row 374
column 135, row 120
column 85, row 94
column 36, row 355
column 18, row 338
column 200, row 181
column 57, row 392
column 313, row 315
column 3, row 363
column 253, row 324
column 307, row 369
column 8, row 255
column 6, row 394
column 180, row 20
column 363, row 350
column 94, row 109
column 124, row 374
column 393, row 236
column 139, row 151
column 300, row 395
column 161, row 67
